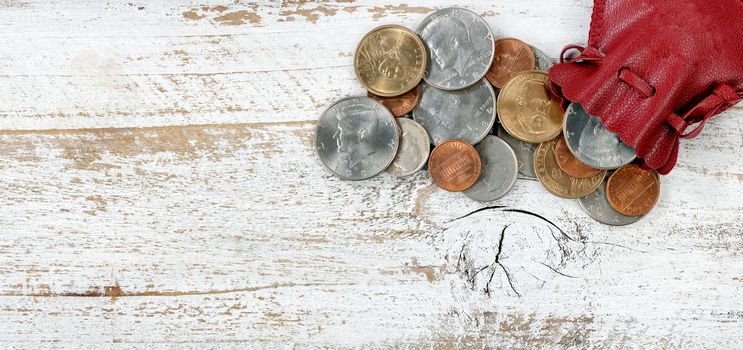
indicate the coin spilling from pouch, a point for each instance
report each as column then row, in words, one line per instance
column 479, row 113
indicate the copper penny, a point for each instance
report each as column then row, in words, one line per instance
column 571, row 165
column 633, row 191
column 454, row 165
column 400, row 105
column 512, row 56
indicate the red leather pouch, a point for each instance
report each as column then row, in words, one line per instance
column 655, row 71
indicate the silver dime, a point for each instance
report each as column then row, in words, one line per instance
column 524, row 153
column 459, row 45
column 499, row 170
column 467, row 114
column 357, row 138
column 591, row 143
column 543, row 61
column 597, row 207
column 415, row 145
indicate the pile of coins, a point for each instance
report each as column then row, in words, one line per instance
column 483, row 114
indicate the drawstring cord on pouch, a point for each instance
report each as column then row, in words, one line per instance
column 723, row 97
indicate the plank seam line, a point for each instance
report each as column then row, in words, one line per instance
column 179, row 73
column 117, row 293
column 159, row 127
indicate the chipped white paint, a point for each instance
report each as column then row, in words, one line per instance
column 158, row 189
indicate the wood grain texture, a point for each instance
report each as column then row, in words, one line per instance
column 159, row 189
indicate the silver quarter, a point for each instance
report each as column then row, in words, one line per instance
column 357, row 138
column 415, row 145
column 460, row 48
column 597, row 207
column 524, row 153
column 591, row 143
column 544, row 63
column 467, row 114
column 499, row 170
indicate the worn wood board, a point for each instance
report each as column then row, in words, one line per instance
column 159, row 189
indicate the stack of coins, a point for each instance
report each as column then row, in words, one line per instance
column 478, row 112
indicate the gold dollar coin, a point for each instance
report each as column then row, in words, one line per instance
column 390, row 60
column 557, row 181
column 528, row 110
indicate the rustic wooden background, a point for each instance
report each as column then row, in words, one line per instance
column 158, row 189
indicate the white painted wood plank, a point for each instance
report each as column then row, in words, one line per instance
column 171, row 220
column 105, row 65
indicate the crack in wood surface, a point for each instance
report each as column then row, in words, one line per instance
column 498, row 262
column 466, row 267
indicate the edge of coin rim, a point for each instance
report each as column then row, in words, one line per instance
column 489, row 129
column 564, row 131
column 571, row 153
column 417, row 100
column 490, row 125
column 533, row 54
column 526, row 176
column 394, row 122
column 515, row 177
column 588, row 212
column 452, row 140
column 428, row 150
column 535, row 49
column 549, row 189
column 419, row 77
column 492, row 51
column 499, row 112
